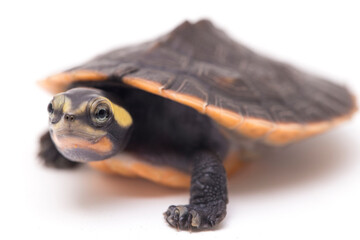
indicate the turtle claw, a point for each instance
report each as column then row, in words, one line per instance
column 182, row 217
column 194, row 216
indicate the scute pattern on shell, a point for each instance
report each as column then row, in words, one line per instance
column 201, row 61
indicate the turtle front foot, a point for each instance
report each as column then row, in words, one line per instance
column 196, row 216
column 51, row 157
column 208, row 196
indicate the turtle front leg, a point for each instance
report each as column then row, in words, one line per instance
column 208, row 196
column 51, row 157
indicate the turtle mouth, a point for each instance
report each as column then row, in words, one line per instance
column 81, row 146
column 72, row 133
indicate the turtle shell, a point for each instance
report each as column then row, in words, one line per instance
column 200, row 66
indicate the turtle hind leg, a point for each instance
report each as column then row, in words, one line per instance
column 208, row 196
column 51, row 157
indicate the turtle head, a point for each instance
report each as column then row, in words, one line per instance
column 86, row 125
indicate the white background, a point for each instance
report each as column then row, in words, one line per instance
column 309, row 191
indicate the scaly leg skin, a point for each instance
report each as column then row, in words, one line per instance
column 208, row 196
column 51, row 156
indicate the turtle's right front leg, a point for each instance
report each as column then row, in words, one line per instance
column 51, row 157
column 208, row 196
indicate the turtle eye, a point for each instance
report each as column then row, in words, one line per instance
column 100, row 112
column 50, row 108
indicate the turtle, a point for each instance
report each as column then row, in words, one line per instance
column 185, row 110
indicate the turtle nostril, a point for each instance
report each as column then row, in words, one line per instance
column 69, row 117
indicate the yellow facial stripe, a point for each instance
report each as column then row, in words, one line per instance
column 58, row 101
column 122, row 117
column 67, row 105
column 81, row 109
column 61, row 102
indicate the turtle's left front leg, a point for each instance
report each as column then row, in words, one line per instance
column 208, row 196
